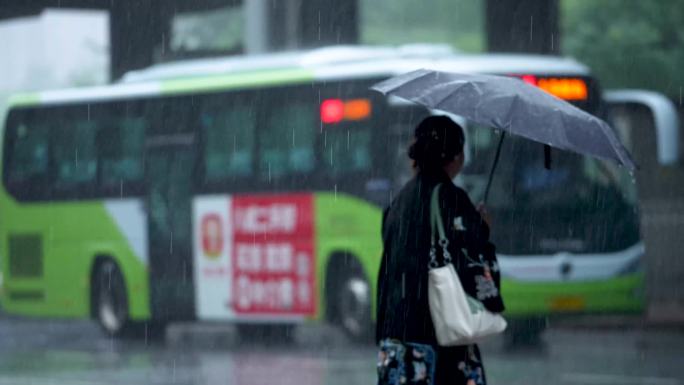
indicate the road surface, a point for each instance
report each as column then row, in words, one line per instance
column 76, row 353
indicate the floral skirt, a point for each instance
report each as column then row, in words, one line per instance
column 402, row 363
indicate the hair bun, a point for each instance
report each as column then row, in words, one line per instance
column 438, row 140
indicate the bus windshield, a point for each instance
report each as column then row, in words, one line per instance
column 579, row 205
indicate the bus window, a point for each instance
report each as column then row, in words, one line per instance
column 481, row 146
column 75, row 155
column 26, row 172
column 120, row 144
column 639, row 114
column 400, row 122
column 579, row 205
column 287, row 141
column 229, row 142
column 648, row 124
column 347, row 149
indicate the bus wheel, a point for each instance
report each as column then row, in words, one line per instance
column 109, row 299
column 352, row 301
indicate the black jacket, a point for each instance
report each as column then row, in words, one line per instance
column 402, row 301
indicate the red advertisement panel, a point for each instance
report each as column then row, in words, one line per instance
column 273, row 255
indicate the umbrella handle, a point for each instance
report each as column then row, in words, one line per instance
column 494, row 163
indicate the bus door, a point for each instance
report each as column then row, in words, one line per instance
column 170, row 165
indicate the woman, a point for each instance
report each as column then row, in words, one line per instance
column 404, row 324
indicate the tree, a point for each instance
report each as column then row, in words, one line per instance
column 455, row 22
column 628, row 43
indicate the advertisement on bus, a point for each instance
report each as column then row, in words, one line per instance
column 254, row 257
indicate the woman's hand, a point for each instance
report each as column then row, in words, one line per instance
column 484, row 214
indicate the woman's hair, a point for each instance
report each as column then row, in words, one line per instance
column 437, row 141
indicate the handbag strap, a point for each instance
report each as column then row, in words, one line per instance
column 437, row 223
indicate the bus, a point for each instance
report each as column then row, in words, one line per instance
column 250, row 190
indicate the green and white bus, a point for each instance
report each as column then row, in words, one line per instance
column 250, row 190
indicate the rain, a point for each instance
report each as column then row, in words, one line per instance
column 268, row 192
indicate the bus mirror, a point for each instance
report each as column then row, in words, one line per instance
column 648, row 124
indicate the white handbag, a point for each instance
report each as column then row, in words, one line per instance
column 458, row 318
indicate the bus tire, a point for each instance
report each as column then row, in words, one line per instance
column 349, row 298
column 109, row 299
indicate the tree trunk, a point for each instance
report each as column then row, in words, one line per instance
column 525, row 26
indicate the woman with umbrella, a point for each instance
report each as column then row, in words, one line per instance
column 405, row 330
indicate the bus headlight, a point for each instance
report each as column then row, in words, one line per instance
column 632, row 268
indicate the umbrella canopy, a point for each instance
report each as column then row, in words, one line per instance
column 511, row 105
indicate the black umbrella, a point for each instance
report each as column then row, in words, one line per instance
column 513, row 106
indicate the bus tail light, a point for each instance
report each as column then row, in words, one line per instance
column 332, row 111
column 357, row 109
column 337, row 110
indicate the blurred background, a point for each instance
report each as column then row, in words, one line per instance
column 626, row 44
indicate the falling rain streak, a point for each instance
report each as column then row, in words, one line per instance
column 578, row 242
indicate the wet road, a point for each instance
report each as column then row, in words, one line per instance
column 76, row 353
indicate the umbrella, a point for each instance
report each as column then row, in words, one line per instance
column 513, row 106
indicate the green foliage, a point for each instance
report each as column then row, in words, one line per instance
column 218, row 29
column 628, row 43
column 458, row 23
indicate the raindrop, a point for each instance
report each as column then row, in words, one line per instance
column 531, row 26
column 403, row 285
column 170, row 242
column 121, row 188
column 335, row 192
column 320, row 122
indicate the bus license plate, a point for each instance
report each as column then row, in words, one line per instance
column 567, row 303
